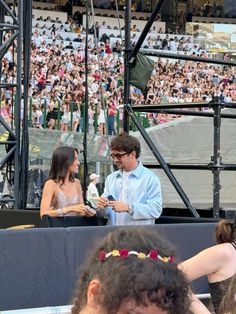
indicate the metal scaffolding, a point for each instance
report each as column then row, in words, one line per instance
column 15, row 34
column 216, row 165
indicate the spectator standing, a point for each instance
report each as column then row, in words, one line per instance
column 65, row 118
column 103, row 28
column 75, row 117
column 92, row 191
column 181, row 21
column 5, row 111
column 95, row 30
column 111, row 114
column 101, row 120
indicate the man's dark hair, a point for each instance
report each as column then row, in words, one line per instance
column 127, row 143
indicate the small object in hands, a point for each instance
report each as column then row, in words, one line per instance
column 130, row 211
column 111, row 198
column 90, row 210
column 89, row 204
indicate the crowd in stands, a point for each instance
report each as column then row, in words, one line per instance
column 57, row 82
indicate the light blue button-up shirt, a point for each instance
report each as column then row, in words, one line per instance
column 143, row 195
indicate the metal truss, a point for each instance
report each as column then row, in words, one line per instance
column 216, row 165
column 14, row 36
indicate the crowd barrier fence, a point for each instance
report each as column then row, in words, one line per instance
column 38, row 116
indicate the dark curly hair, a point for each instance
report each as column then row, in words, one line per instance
column 62, row 158
column 127, row 143
column 142, row 280
column 225, row 231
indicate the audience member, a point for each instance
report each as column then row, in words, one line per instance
column 111, row 114
column 101, row 120
column 217, row 262
column 132, row 271
column 62, row 192
column 92, row 191
column 132, row 195
column 58, row 69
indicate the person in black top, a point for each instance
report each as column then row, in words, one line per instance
column 217, row 262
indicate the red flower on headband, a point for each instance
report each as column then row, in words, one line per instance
column 172, row 259
column 153, row 254
column 124, row 253
column 102, row 255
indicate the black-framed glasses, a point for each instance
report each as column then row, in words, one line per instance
column 118, row 156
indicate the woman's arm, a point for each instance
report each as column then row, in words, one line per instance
column 46, row 202
column 197, row 307
column 79, row 189
column 81, row 207
column 204, row 263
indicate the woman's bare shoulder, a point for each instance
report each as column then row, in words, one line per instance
column 50, row 184
column 223, row 251
column 77, row 182
column 226, row 249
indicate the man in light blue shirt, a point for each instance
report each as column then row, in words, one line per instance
column 135, row 190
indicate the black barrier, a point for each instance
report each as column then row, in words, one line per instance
column 39, row 266
column 69, row 221
column 9, row 218
column 177, row 220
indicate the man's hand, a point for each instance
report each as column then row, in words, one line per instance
column 101, row 202
column 119, row 206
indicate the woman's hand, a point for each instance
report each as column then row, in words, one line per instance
column 80, row 209
column 91, row 211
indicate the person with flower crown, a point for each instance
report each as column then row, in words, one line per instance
column 134, row 271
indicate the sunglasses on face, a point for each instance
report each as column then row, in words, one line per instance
column 118, row 156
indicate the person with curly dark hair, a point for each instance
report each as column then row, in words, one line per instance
column 132, row 271
column 217, row 262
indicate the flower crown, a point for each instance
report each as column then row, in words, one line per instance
column 124, row 253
